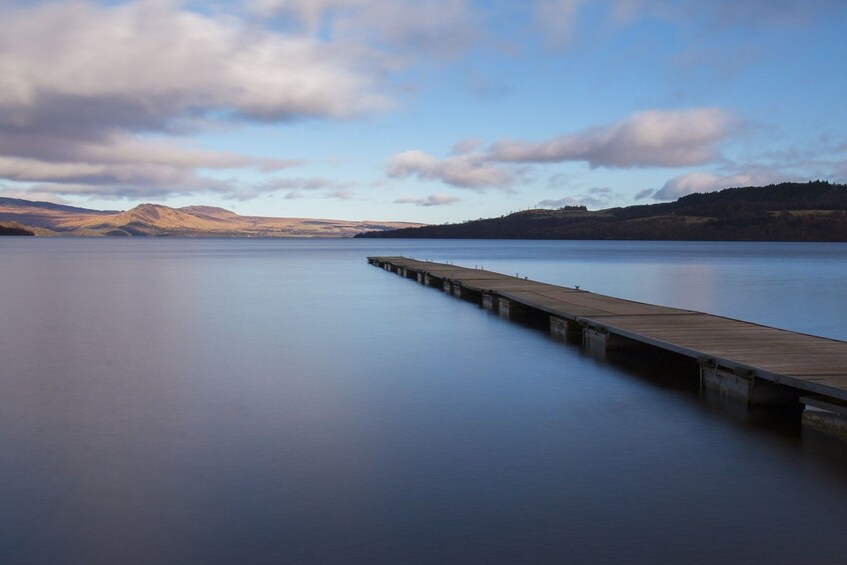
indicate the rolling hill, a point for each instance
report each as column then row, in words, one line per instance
column 45, row 219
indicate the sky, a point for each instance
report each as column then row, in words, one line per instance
column 416, row 110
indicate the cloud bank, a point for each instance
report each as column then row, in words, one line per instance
column 593, row 198
column 659, row 138
column 475, row 170
column 436, row 199
column 97, row 98
column 690, row 183
column 655, row 138
column 438, row 28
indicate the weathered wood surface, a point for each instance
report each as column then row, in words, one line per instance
column 806, row 362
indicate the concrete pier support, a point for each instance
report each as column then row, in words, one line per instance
column 825, row 415
column 743, row 385
column 430, row 280
column 511, row 310
column 599, row 340
column 421, row 278
column 467, row 294
column 595, row 341
column 490, row 302
column 454, row 289
column 564, row 330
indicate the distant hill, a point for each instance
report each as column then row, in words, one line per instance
column 45, row 218
column 814, row 211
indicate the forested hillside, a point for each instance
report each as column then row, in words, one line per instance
column 813, row 211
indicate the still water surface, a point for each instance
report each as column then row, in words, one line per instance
column 262, row 401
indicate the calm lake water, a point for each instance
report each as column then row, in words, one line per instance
column 262, row 401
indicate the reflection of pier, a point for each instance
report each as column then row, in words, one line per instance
column 757, row 364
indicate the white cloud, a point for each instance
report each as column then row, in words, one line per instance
column 125, row 150
column 656, row 138
column 663, row 138
column 464, row 146
column 436, row 199
column 471, row 170
column 438, row 28
column 296, row 187
column 118, row 191
column 7, row 191
column 122, row 165
column 690, row 183
column 146, row 64
column 341, row 195
column 309, row 183
column 83, row 85
column 594, row 198
column 112, row 178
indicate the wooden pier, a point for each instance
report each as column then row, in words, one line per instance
column 755, row 363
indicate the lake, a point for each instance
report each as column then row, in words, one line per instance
column 281, row 401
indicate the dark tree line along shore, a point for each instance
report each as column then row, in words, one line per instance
column 12, row 230
column 813, row 211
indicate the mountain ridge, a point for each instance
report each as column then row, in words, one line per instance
column 46, row 219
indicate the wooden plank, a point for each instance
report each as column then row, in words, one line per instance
column 570, row 302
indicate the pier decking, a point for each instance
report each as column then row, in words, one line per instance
column 756, row 363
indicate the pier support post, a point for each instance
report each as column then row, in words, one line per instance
column 743, row 385
column 564, row 330
column 825, row 415
column 453, row 289
column 430, row 280
column 595, row 341
column 599, row 340
column 467, row 294
column 490, row 302
column 511, row 310
column 421, row 278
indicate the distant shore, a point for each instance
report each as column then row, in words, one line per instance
column 813, row 211
column 14, row 230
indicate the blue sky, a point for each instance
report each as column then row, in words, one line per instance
column 419, row 110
